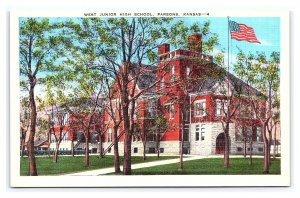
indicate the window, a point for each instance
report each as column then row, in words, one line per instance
column 150, row 136
column 221, row 107
column 239, row 149
column 249, row 132
column 65, row 136
column 200, row 108
column 161, row 150
column 162, row 85
column 202, row 131
column 197, row 132
column 65, row 119
column 258, row 134
column 151, row 108
column 172, row 73
column 171, row 111
column 135, row 113
column 52, row 118
column 186, row 135
column 188, row 71
column 52, row 138
column 245, row 111
column 109, row 135
column 135, row 150
column 260, row 149
column 79, row 136
column 151, row 150
column 218, row 107
column 239, row 133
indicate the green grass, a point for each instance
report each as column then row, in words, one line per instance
column 68, row 164
column 212, row 166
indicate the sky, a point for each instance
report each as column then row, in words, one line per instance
column 267, row 31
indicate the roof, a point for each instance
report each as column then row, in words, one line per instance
column 146, row 76
column 221, row 76
column 40, row 141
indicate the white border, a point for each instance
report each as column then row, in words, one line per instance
column 149, row 181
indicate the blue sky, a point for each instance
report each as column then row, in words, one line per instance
column 267, row 31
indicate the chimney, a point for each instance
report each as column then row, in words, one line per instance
column 195, row 43
column 164, row 48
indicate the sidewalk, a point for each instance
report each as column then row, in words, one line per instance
column 105, row 171
column 136, row 166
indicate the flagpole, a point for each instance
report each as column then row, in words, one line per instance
column 228, row 43
column 228, row 54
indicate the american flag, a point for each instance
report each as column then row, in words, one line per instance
column 241, row 32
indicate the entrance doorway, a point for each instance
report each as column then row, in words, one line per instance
column 220, row 142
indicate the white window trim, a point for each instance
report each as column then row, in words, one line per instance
column 188, row 71
column 225, row 102
column 204, row 109
column 258, row 137
column 109, row 135
column 170, row 106
column 172, row 73
column 197, row 126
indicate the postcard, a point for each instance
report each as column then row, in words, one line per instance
column 149, row 98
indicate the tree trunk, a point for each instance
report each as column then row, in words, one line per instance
column 116, row 151
column 226, row 145
column 127, row 154
column 269, row 149
column 55, row 156
column 30, row 143
column 128, row 134
column 275, row 143
column 180, row 169
column 100, row 146
column 266, row 150
column 22, row 146
column 158, row 150
column 87, row 157
column 72, row 148
column 144, row 149
column 49, row 143
column 245, row 147
column 251, row 146
column 157, row 144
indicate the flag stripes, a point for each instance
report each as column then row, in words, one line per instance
column 242, row 32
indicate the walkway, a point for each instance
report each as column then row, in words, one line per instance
column 104, row 171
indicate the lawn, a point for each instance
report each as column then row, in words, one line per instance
column 68, row 164
column 212, row 166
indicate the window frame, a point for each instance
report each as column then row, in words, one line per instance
column 197, row 132
column 109, row 135
column 199, row 110
column 171, row 111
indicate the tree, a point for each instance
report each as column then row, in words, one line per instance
column 263, row 74
column 24, row 122
column 85, row 110
column 159, row 128
column 57, row 118
column 39, row 49
column 113, row 109
column 121, row 47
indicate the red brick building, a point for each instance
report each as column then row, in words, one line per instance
column 185, row 88
column 193, row 95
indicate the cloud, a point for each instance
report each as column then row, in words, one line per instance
column 265, row 42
